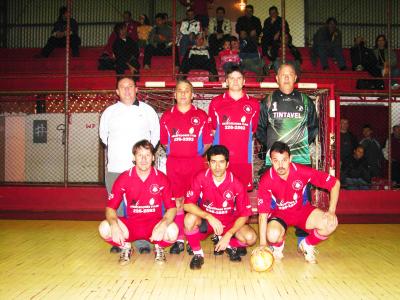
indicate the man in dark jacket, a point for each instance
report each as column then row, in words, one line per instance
column 248, row 25
column 355, row 174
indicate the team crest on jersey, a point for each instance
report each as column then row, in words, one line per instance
column 228, row 195
column 247, row 109
column 151, row 202
column 110, row 196
column 195, row 121
column 243, row 119
column 191, row 130
column 155, row 189
column 299, row 107
column 297, row 185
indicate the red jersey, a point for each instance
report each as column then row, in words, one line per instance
column 226, row 202
column 228, row 55
column 234, row 122
column 144, row 201
column 284, row 196
column 185, row 134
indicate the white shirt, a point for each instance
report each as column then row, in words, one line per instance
column 121, row 127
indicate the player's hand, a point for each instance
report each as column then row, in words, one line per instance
column 223, row 242
column 117, row 235
column 179, row 203
column 216, row 225
column 159, row 231
column 259, row 248
column 331, row 220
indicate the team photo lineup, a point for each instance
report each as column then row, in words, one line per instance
column 209, row 173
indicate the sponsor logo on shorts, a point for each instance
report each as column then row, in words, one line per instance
column 297, row 185
column 247, row 109
column 155, row 189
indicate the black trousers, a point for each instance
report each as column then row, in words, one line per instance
column 54, row 42
column 151, row 51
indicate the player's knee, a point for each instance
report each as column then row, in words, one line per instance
column 172, row 232
column 104, row 229
column 328, row 230
column 189, row 221
column 274, row 235
column 251, row 238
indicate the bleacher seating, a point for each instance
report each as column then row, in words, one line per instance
column 21, row 71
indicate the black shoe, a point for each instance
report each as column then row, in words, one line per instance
column 189, row 249
column 115, row 249
column 325, row 68
column 177, row 248
column 241, row 251
column 196, row 262
column 233, row 255
column 218, row 253
column 343, row 68
column 144, row 250
column 215, row 239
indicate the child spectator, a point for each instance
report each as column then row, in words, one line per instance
column 230, row 54
column 143, row 30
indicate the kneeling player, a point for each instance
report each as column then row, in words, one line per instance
column 280, row 202
column 145, row 191
column 217, row 203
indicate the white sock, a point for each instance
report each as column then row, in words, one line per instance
column 199, row 252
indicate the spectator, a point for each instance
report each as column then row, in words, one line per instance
column 229, row 56
column 382, row 54
column 363, row 58
column 348, row 142
column 355, row 174
column 200, row 8
column 143, row 30
column 58, row 35
column 250, row 57
column 395, row 153
column 126, row 51
column 160, row 41
column 199, row 57
column 292, row 55
column 248, row 25
column 219, row 29
column 131, row 27
column 373, row 151
column 327, row 42
column 188, row 30
column 272, row 31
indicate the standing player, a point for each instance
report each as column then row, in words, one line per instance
column 281, row 203
column 217, row 203
column 185, row 134
column 145, row 192
column 234, row 117
column 121, row 126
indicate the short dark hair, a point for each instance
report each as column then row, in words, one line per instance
column 367, row 126
column 127, row 12
column 272, row 8
column 184, row 81
column 160, row 16
column 279, row 147
column 143, row 144
column 62, row 11
column 125, row 77
column 381, row 36
column 250, row 6
column 220, row 8
column 233, row 38
column 218, row 150
column 331, row 19
column 234, row 68
column 146, row 19
column 118, row 27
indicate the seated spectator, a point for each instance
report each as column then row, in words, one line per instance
column 199, row 58
column 248, row 26
column 292, row 55
column 58, row 35
column 143, row 30
column 363, row 58
column 395, row 154
column 382, row 55
column 272, row 31
column 200, row 8
column 327, row 42
column 126, row 51
column 250, row 57
column 348, row 142
column 160, row 42
column 219, row 29
column 131, row 26
column 229, row 56
column 355, row 174
column 188, row 30
column 373, row 151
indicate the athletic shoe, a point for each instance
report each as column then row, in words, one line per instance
column 196, row 262
column 233, row 255
column 218, row 253
column 115, row 249
column 177, row 248
column 241, row 251
column 278, row 251
column 160, row 255
column 144, row 250
column 189, row 249
column 308, row 251
column 215, row 239
column 125, row 256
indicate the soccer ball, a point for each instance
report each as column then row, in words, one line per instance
column 262, row 260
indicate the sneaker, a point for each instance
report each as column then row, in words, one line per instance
column 144, row 250
column 177, row 248
column 159, row 256
column 115, row 249
column 196, row 262
column 233, row 255
column 308, row 251
column 277, row 251
column 125, row 256
column 215, row 239
column 218, row 253
column 189, row 249
column 241, row 251
column 395, row 86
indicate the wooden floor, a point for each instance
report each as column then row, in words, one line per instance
column 68, row 260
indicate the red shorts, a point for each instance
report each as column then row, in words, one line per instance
column 180, row 172
column 296, row 218
column 138, row 230
column 243, row 172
